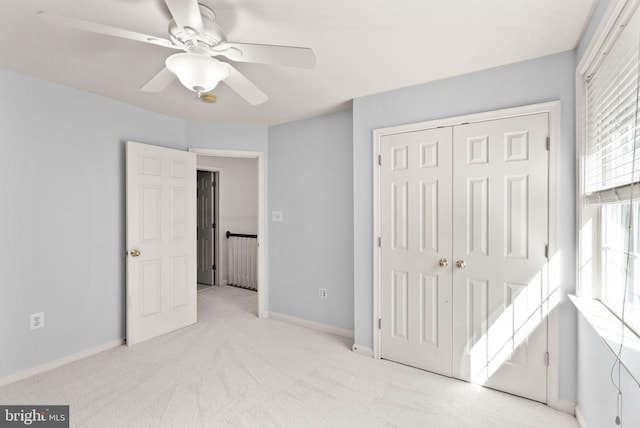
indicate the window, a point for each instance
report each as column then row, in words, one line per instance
column 620, row 261
column 610, row 182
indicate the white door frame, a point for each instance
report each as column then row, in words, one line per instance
column 553, row 109
column 262, row 241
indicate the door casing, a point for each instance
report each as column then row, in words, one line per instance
column 262, row 229
column 553, row 109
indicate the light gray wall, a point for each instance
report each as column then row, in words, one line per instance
column 238, row 199
column 62, row 216
column 226, row 136
column 544, row 79
column 310, row 181
column 596, row 393
column 62, row 212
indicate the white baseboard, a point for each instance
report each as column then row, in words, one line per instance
column 580, row 418
column 57, row 363
column 564, row 406
column 311, row 324
column 362, row 350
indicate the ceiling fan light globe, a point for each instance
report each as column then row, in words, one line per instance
column 196, row 72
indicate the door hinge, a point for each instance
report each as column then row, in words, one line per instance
column 379, row 323
column 379, row 241
column 379, row 160
column 213, row 225
column 546, row 359
column 213, row 267
column 548, row 143
column 213, row 184
column 546, row 251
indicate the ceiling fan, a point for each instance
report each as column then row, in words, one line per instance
column 194, row 30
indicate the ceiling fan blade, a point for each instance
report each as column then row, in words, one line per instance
column 104, row 29
column 186, row 13
column 244, row 87
column 269, row 54
column 159, row 82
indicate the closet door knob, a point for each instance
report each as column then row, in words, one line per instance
column 443, row 262
column 460, row 264
column 135, row 253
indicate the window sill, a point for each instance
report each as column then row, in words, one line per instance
column 609, row 328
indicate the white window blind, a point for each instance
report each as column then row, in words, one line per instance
column 613, row 128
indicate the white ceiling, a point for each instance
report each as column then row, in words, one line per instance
column 362, row 47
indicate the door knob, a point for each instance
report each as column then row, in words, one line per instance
column 443, row 262
column 135, row 253
column 460, row 264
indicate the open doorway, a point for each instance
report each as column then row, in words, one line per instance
column 238, row 216
column 207, row 235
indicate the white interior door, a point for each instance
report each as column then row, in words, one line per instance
column 415, row 222
column 500, row 234
column 206, row 243
column 161, row 240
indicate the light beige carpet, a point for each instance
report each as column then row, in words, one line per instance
column 232, row 369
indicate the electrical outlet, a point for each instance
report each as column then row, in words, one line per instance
column 37, row 320
column 322, row 292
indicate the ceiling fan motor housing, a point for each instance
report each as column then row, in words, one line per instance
column 213, row 35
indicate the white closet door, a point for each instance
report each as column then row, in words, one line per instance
column 500, row 208
column 415, row 221
column 161, row 240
